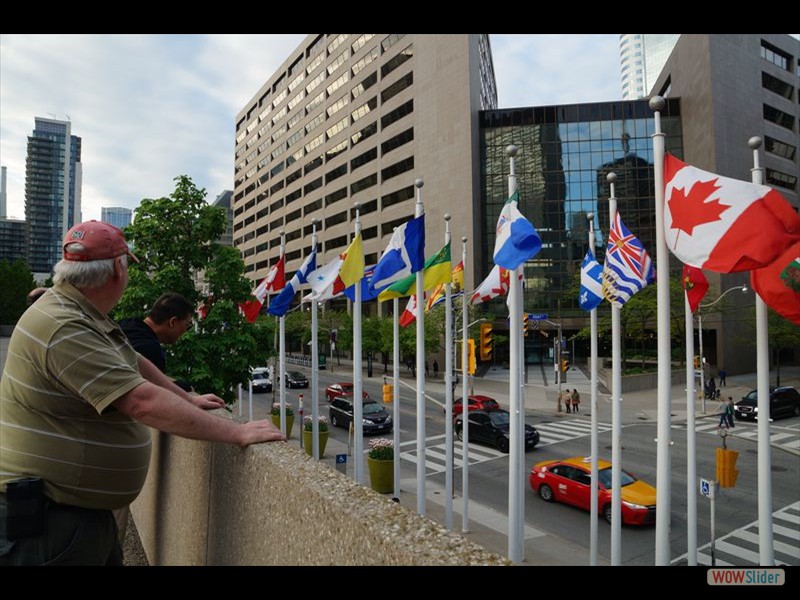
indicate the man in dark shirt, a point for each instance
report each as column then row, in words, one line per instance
column 169, row 319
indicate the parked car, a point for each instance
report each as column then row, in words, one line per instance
column 475, row 403
column 338, row 390
column 261, row 380
column 491, row 427
column 295, row 379
column 375, row 418
column 569, row 481
column 783, row 402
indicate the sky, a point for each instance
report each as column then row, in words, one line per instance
column 151, row 107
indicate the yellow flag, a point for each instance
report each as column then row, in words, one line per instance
column 352, row 270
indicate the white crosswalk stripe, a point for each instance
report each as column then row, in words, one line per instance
column 786, row 437
column 740, row 548
column 436, row 454
column 561, row 431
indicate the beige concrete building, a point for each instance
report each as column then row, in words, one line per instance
column 358, row 118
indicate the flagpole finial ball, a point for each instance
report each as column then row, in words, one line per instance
column 281, row 232
column 612, row 178
column 754, row 142
column 419, row 183
column 590, row 217
column 511, row 150
column 446, row 216
column 357, row 205
column 657, row 103
column 464, row 239
column 316, row 221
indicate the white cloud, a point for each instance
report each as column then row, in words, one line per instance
column 152, row 107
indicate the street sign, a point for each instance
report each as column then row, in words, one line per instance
column 341, row 463
column 537, row 316
column 707, row 488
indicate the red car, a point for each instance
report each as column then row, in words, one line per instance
column 569, row 481
column 341, row 390
column 475, row 403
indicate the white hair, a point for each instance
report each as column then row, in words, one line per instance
column 85, row 274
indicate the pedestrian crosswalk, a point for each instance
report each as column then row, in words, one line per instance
column 436, row 454
column 740, row 548
column 783, row 436
column 549, row 433
column 567, row 429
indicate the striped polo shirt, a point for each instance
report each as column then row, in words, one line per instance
column 67, row 363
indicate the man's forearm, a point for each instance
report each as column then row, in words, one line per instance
column 157, row 407
column 152, row 373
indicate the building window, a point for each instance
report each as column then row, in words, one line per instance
column 367, row 83
column 396, row 169
column 335, row 151
column 369, row 233
column 315, row 142
column 397, row 141
column 778, row 117
column 395, row 197
column 338, row 61
column 779, row 148
column 317, row 45
column 362, row 39
column 396, row 61
column 292, row 177
column 311, row 165
column 313, row 207
column 293, row 102
column 337, row 127
column 277, row 168
column 296, row 81
column 296, row 253
column 775, row 55
column 337, row 106
column 293, row 139
column 336, row 196
column 366, row 132
column 293, row 196
column 365, row 209
column 363, row 184
column 363, row 159
column 390, row 40
column 310, row 187
column 315, row 122
column 336, row 219
column 782, row 179
column 397, row 87
column 365, row 109
column 387, row 228
column 336, row 173
column 344, row 78
column 336, row 242
column 315, row 63
column 780, row 87
column 277, row 187
column 293, row 216
column 397, row 114
column 337, row 42
column 315, row 102
column 315, row 82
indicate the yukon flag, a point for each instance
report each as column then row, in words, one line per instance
column 779, row 284
column 724, row 225
column 345, row 270
column 591, row 294
column 696, row 286
column 273, row 282
column 404, row 255
column 517, row 240
column 280, row 304
column 628, row 268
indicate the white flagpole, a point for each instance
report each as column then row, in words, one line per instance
column 464, row 398
column 663, row 456
column 516, row 498
column 616, row 409
column 282, row 352
column 448, row 393
column 358, row 400
column 691, row 438
column 314, row 362
column 765, row 544
column 396, row 392
column 595, row 418
column 418, row 211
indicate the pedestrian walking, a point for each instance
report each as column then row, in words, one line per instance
column 726, row 414
column 435, row 368
column 723, row 374
column 576, row 400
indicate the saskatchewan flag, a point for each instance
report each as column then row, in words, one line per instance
column 437, row 271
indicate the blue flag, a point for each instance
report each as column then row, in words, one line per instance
column 591, row 294
column 628, row 267
column 517, row 240
column 367, row 291
column 404, row 255
column 280, row 304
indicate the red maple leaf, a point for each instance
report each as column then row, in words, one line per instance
column 690, row 210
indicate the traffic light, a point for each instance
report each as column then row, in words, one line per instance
column 726, row 468
column 525, row 324
column 564, row 365
column 471, row 367
column 486, row 341
column 696, row 362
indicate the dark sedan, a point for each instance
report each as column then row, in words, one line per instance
column 374, row 418
column 295, row 379
column 491, row 427
column 783, row 402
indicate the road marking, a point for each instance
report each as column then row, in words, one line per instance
column 436, row 454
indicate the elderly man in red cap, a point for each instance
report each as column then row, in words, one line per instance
column 74, row 402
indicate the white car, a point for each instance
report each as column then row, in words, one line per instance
column 260, row 378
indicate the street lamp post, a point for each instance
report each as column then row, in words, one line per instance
column 700, row 336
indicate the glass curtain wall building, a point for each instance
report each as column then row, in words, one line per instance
column 117, row 216
column 565, row 155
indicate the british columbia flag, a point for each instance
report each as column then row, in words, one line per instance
column 628, row 268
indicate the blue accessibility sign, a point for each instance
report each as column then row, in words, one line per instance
column 341, row 459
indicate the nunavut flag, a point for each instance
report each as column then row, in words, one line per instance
column 779, row 284
column 724, row 225
column 695, row 284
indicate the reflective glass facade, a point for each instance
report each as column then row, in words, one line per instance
column 565, row 154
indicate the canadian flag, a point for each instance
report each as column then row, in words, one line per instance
column 724, row 225
column 273, row 282
column 409, row 315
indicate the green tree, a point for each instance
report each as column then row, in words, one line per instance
column 174, row 238
column 784, row 336
column 17, row 280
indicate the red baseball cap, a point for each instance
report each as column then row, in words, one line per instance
column 99, row 240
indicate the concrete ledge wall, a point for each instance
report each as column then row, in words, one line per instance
column 637, row 383
column 215, row 504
